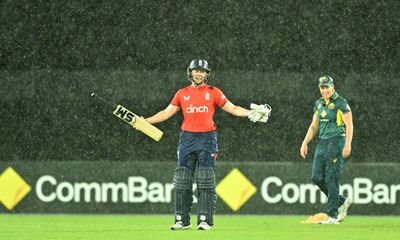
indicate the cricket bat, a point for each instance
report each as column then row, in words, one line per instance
column 138, row 123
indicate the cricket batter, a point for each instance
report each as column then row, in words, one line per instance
column 198, row 146
column 333, row 119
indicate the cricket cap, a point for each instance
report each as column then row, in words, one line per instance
column 325, row 80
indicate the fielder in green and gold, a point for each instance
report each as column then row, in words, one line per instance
column 333, row 120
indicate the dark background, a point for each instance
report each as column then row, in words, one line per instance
column 54, row 54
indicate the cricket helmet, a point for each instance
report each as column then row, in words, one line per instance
column 198, row 64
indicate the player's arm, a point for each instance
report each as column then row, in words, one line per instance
column 348, row 121
column 163, row 115
column 312, row 130
column 235, row 110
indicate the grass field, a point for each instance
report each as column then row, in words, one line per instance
column 155, row 227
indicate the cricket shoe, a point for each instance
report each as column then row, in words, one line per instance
column 179, row 226
column 330, row 220
column 204, row 226
column 342, row 210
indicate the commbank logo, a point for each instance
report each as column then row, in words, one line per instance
column 13, row 188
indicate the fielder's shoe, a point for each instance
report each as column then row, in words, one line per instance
column 204, row 226
column 179, row 226
column 342, row 210
column 330, row 220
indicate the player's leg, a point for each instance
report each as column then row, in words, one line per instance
column 318, row 167
column 342, row 199
column 334, row 169
column 344, row 203
column 207, row 196
column 183, row 182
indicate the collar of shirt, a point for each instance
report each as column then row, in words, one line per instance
column 200, row 87
column 333, row 97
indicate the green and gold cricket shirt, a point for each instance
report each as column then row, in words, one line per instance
column 330, row 114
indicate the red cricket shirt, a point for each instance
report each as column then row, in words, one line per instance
column 198, row 107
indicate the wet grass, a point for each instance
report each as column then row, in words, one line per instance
column 230, row 227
